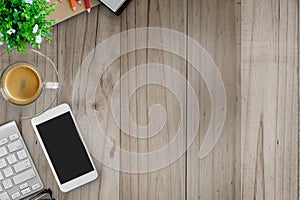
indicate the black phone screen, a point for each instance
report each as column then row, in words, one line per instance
column 65, row 148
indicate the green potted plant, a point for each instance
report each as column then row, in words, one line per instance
column 25, row 22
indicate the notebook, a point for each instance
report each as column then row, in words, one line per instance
column 63, row 10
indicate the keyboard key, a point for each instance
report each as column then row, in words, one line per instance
column 4, row 196
column 15, row 195
column 7, row 184
column 22, row 165
column 3, row 151
column 15, row 146
column 24, row 176
column 25, row 191
column 3, row 141
column 2, row 163
column 23, row 186
column 13, row 137
column 1, row 177
column 22, row 154
column 36, row 186
column 8, row 172
column 11, row 159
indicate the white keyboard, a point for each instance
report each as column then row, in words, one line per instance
column 18, row 175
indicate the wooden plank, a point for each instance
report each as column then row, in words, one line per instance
column 169, row 182
column 76, row 38
column 108, row 25
column 216, row 26
column 270, row 129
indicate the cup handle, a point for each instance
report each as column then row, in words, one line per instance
column 51, row 85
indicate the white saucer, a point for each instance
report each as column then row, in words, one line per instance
column 47, row 98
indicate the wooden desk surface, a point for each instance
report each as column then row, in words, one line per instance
column 257, row 156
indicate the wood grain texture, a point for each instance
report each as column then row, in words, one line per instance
column 270, row 95
column 215, row 25
column 74, row 46
column 255, row 45
column 169, row 182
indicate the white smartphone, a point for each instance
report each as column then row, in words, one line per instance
column 64, row 148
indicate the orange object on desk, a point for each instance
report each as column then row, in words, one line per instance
column 73, row 6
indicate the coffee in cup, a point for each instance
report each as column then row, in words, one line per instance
column 21, row 83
